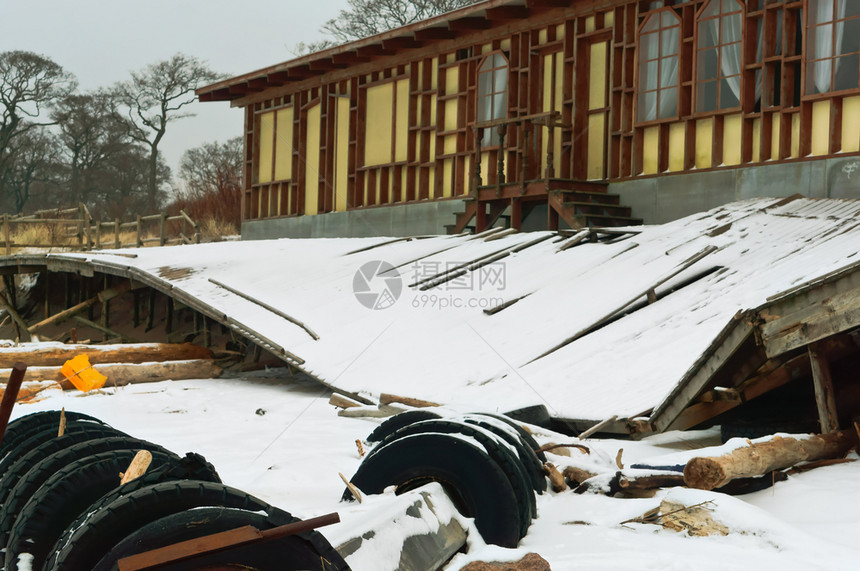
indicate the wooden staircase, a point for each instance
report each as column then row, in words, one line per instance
column 579, row 204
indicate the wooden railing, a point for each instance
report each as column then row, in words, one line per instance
column 75, row 228
column 526, row 126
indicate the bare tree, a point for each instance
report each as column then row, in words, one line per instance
column 212, row 180
column 90, row 132
column 366, row 18
column 156, row 96
column 28, row 83
column 34, row 164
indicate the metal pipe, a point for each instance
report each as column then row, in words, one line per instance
column 10, row 395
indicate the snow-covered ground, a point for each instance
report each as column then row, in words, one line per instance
column 280, row 440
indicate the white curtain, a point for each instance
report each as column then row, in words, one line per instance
column 669, row 74
column 652, row 52
column 731, row 56
column 821, row 14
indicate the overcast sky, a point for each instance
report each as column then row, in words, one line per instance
column 100, row 41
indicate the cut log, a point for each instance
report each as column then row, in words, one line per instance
column 43, row 355
column 707, row 473
column 576, row 475
column 650, row 482
column 120, row 374
column 385, row 398
column 555, row 477
column 341, row 401
column 139, row 464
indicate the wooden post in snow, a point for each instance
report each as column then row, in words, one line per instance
column 823, row 383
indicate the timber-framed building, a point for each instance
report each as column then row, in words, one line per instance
column 549, row 113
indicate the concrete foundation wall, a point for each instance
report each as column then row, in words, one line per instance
column 416, row 219
column 666, row 198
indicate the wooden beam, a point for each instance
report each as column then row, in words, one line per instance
column 105, row 295
column 507, row 13
column 435, row 34
column 825, row 398
column 402, row 43
column 469, row 24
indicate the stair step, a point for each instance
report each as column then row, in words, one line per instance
column 580, row 185
column 612, row 221
column 593, row 197
column 599, row 209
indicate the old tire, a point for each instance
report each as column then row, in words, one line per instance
column 63, row 497
column 497, row 449
column 529, row 458
column 475, row 483
column 23, row 427
column 33, row 479
column 307, row 550
column 85, row 546
column 14, row 471
column 398, row 421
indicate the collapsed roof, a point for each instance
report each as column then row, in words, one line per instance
column 661, row 326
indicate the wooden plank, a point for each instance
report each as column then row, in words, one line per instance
column 105, row 295
column 51, row 355
column 825, row 398
column 736, row 332
column 811, row 314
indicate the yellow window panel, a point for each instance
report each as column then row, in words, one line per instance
column 774, row 136
column 341, row 170
column 732, row 139
column 284, row 144
column 452, row 80
column 851, row 124
column 704, row 143
column 596, row 152
column 267, row 131
column 677, row 140
column 402, row 121
column 451, row 115
column 651, row 156
column 312, row 161
column 434, row 73
column 378, row 124
column 821, row 128
column 795, row 135
column 597, row 76
column 756, row 140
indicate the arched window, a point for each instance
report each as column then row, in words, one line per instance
column 719, row 55
column 832, row 46
column 492, row 94
column 659, row 44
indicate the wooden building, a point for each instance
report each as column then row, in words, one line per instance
column 540, row 113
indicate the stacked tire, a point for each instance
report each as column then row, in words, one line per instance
column 62, row 508
column 489, row 465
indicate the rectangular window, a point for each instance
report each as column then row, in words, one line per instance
column 274, row 145
column 386, row 123
column 659, row 47
column 832, row 46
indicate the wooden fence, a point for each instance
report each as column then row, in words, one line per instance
column 75, row 228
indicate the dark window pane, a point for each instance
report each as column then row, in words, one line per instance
column 647, row 110
column 708, row 33
column 848, row 8
column 669, row 42
column 669, row 72
column 818, row 76
column 706, row 96
column 483, row 84
column 707, row 65
column 849, row 30
column 728, row 98
column 501, row 83
column 668, row 103
column 847, row 72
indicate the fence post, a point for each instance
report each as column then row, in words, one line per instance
column 162, row 222
column 139, row 238
column 6, row 234
column 116, row 243
column 99, row 235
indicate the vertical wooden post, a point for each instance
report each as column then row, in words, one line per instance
column 207, row 332
column 105, row 317
column 99, row 235
column 6, row 234
column 516, row 213
column 47, row 276
column 161, row 224
column 116, row 242
column 550, row 148
column 168, row 323
column 139, row 237
column 823, row 383
column 10, row 395
column 476, row 180
column 150, row 318
column 480, row 216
